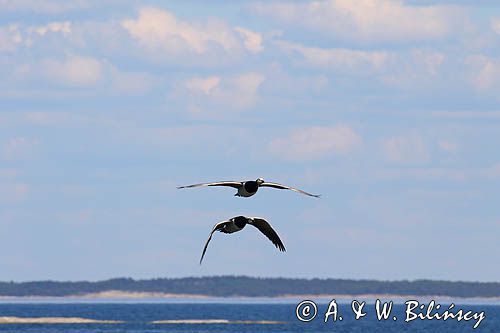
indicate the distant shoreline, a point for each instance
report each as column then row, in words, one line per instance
column 118, row 296
column 245, row 288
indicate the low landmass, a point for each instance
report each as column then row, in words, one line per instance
column 244, row 286
column 54, row 320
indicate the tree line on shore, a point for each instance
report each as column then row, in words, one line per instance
column 226, row 286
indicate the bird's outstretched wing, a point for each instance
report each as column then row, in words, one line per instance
column 283, row 187
column 224, row 183
column 217, row 227
column 268, row 231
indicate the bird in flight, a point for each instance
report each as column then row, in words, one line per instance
column 237, row 223
column 250, row 187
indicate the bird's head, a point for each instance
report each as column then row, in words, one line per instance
column 260, row 180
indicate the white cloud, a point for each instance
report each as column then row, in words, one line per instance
column 411, row 69
column 10, row 38
column 15, row 35
column 316, row 142
column 160, row 30
column 339, row 58
column 39, row 34
column 408, row 149
column 485, row 72
column 368, row 20
column 56, row 27
column 74, row 70
column 42, row 6
column 78, row 71
column 495, row 25
column 431, row 61
column 448, row 146
column 205, row 85
column 214, row 95
column 17, row 147
column 253, row 40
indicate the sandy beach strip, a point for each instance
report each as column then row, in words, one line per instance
column 217, row 321
column 126, row 296
column 116, row 294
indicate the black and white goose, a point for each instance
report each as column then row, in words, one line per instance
column 250, row 187
column 237, row 223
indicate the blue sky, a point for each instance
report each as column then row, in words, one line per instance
column 389, row 109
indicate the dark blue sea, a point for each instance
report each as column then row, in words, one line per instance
column 239, row 317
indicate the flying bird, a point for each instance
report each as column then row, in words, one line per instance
column 237, row 223
column 250, row 187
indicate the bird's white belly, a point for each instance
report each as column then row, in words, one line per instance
column 230, row 228
column 243, row 193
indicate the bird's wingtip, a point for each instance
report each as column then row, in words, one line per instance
column 281, row 247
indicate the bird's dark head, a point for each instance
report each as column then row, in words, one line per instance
column 259, row 180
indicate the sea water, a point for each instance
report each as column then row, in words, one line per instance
column 229, row 317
